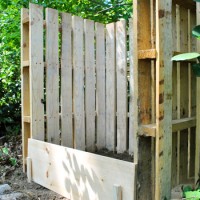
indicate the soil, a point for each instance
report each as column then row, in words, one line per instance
column 13, row 175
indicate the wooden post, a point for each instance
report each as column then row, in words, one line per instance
column 163, row 99
column 117, row 189
column 29, row 169
column 25, row 90
column 197, row 157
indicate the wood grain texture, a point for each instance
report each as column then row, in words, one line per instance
column 25, row 84
column 36, row 72
column 121, row 70
column 163, row 99
column 90, row 83
column 110, row 88
column 100, row 85
column 52, row 76
column 81, row 175
column 66, row 82
column 133, row 84
column 78, row 83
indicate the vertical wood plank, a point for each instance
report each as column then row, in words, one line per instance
column 178, row 88
column 78, row 83
column 121, row 69
column 163, row 99
column 25, row 87
column 89, row 85
column 184, row 98
column 52, row 76
column 100, row 86
column 110, row 87
column 142, row 41
column 36, row 72
column 197, row 154
column 189, row 92
column 133, row 102
column 66, row 82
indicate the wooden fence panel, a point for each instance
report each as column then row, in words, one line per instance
column 52, row 76
column 121, row 71
column 78, row 83
column 36, row 72
column 110, row 87
column 66, row 82
column 100, row 86
column 89, row 85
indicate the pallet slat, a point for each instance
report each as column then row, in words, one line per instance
column 52, row 76
column 110, row 87
column 100, row 85
column 121, row 70
column 78, row 83
column 36, row 72
column 66, row 82
column 89, row 85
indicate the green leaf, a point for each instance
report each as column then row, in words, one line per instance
column 185, row 56
column 5, row 150
column 13, row 161
column 197, row 0
column 186, row 189
column 196, row 31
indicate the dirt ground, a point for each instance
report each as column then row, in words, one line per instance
column 16, row 179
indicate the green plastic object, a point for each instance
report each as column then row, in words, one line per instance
column 196, row 69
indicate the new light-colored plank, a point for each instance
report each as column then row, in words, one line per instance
column 89, row 85
column 66, row 82
column 52, row 76
column 163, row 99
column 78, row 83
column 110, row 87
column 197, row 154
column 25, row 87
column 100, row 85
column 133, row 84
column 80, row 175
column 121, row 69
column 36, row 72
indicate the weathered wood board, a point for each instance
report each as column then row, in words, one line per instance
column 80, row 175
column 66, row 82
column 52, row 76
column 100, row 85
